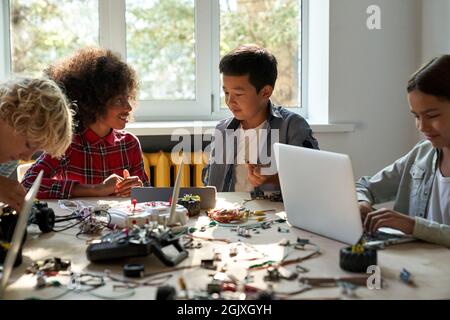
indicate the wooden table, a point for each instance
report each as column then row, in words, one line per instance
column 428, row 264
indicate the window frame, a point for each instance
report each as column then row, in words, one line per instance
column 207, row 104
column 5, row 54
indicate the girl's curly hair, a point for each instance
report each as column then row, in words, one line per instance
column 90, row 78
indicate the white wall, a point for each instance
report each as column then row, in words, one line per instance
column 368, row 75
column 435, row 28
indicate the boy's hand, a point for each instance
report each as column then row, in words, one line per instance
column 256, row 178
column 123, row 187
column 11, row 193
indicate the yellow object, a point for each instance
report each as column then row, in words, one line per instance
column 158, row 166
column 259, row 212
column 359, row 248
column 5, row 245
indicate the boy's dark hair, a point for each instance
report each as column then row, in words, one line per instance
column 90, row 78
column 433, row 78
column 257, row 62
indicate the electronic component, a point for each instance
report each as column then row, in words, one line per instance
column 191, row 203
column 49, row 266
column 133, row 270
column 236, row 215
column 137, row 242
column 405, row 277
column 166, row 293
column 357, row 258
column 128, row 215
column 43, row 216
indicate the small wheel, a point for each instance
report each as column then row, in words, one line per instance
column 46, row 219
column 165, row 293
column 357, row 262
column 7, row 226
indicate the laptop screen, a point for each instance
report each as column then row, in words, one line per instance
column 175, row 194
column 19, row 231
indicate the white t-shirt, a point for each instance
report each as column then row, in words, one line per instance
column 247, row 151
column 439, row 205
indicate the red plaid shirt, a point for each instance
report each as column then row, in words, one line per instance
column 88, row 160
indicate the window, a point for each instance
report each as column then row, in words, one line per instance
column 161, row 45
column 46, row 30
column 174, row 45
column 274, row 24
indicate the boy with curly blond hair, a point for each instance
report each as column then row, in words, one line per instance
column 34, row 115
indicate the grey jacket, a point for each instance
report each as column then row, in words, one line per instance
column 408, row 182
column 292, row 129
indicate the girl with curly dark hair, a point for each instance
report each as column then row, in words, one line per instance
column 103, row 159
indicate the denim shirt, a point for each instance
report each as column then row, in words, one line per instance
column 408, row 181
column 8, row 168
column 293, row 130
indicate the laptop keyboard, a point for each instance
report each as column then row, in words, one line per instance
column 380, row 236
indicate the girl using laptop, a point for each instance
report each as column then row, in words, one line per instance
column 419, row 182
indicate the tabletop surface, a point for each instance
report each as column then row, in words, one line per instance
column 428, row 264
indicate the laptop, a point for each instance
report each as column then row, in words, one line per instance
column 176, row 219
column 319, row 195
column 19, row 232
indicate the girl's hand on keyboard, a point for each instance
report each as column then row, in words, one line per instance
column 365, row 208
column 389, row 218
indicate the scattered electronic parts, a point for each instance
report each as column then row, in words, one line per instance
column 274, row 196
column 233, row 252
column 301, row 243
column 236, row 215
column 272, row 275
column 193, row 245
column 243, row 232
column 208, row 264
column 347, row 288
column 275, row 274
column 333, row 282
column 49, row 267
column 283, row 230
column 301, row 269
column 217, row 256
column 266, row 225
column 405, row 277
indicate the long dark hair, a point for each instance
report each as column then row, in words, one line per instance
column 433, row 78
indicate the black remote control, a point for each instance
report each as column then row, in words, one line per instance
column 137, row 242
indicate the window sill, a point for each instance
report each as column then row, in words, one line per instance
column 167, row 128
